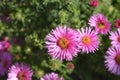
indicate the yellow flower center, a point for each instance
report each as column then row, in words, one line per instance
column 101, row 25
column 21, row 76
column 63, row 43
column 117, row 59
column 86, row 40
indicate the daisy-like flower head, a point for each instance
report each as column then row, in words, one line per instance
column 100, row 23
column 115, row 38
column 4, row 45
column 88, row 40
column 62, row 43
column 117, row 23
column 112, row 60
column 94, row 3
column 5, row 62
column 20, row 71
column 51, row 76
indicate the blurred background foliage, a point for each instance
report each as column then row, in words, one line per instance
column 27, row 22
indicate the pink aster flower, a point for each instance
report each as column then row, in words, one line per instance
column 112, row 60
column 94, row 3
column 88, row 40
column 51, row 76
column 117, row 23
column 4, row 45
column 62, row 43
column 115, row 38
column 100, row 23
column 20, row 72
column 5, row 62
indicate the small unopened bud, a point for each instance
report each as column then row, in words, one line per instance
column 94, row 3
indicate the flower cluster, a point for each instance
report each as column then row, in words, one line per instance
column 58, row 39
column 65, row 42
